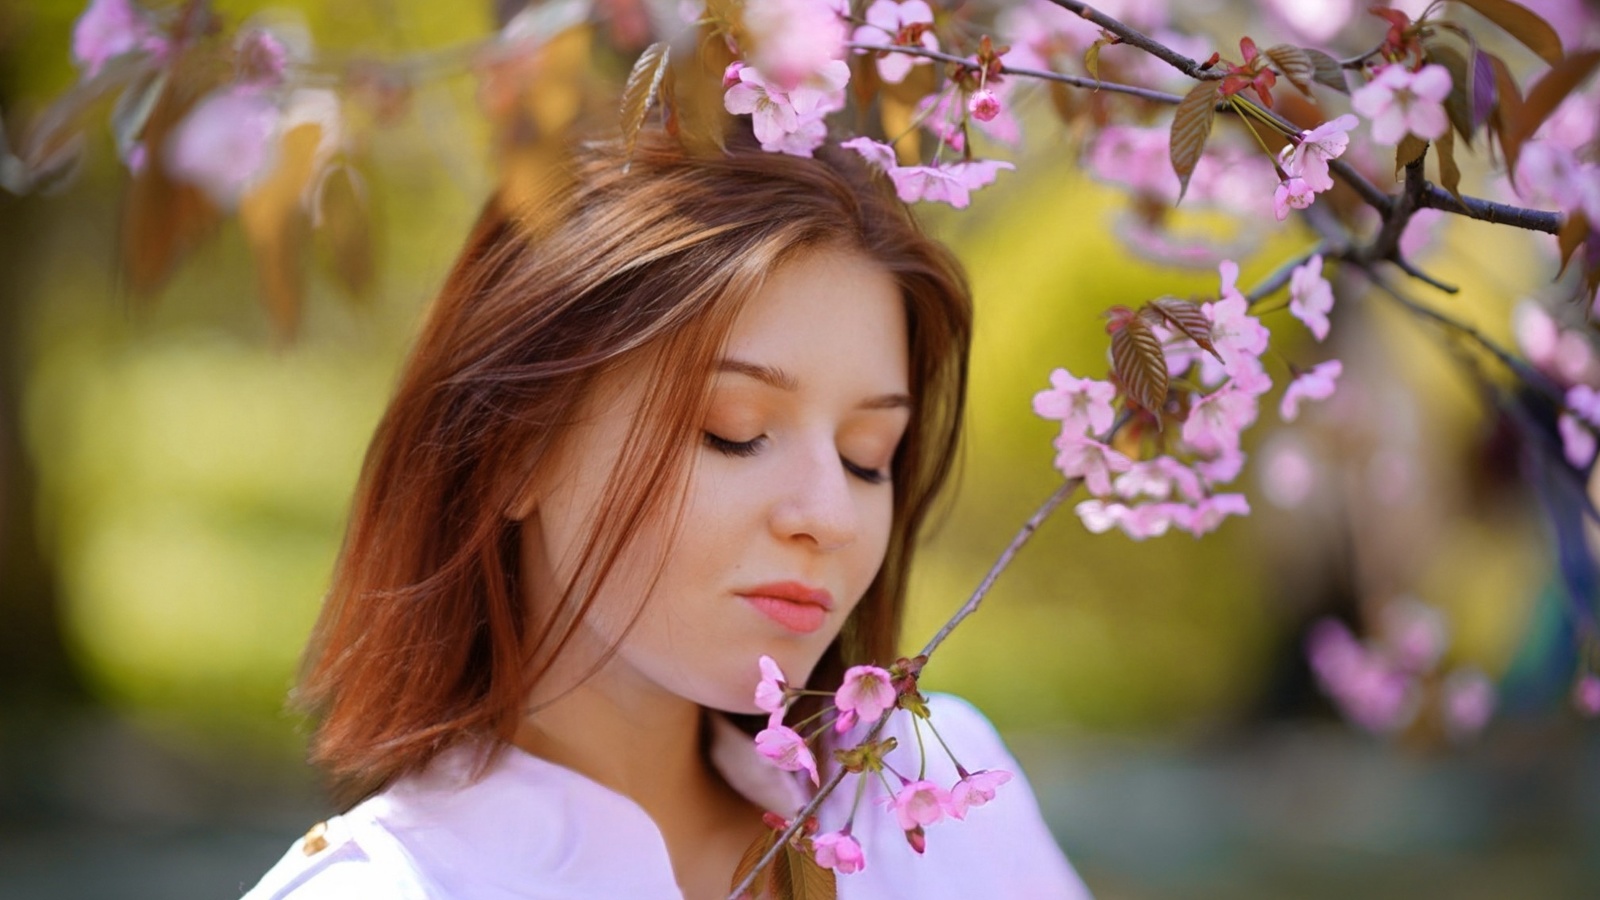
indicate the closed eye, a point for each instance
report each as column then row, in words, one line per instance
column 753, row 446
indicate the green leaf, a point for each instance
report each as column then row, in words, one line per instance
column 644, row 85
column 1523, row 24
column 1458, row 105
column 1191, row 126
column 1326, row 70
column 1091, row 59
column 1139, row 364
column 1294, row 64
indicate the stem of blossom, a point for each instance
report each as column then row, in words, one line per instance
column 922, row 751
column 1132, row 36
column 1021, row 537
column 1244, row 119
column 1281, row 275
column 940, row 738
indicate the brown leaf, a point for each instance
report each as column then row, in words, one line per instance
column 1458, row 105
column 275, row 225
column 1548, row 92
column 1139, row 364
column 1574, row 231
column 1326, row 70
column 808, row 880
column 1523, row 24
column 1410, row 150
column 641, row 91
column 1444, row 153
column 702, row 119
column 747, row 864
column 1186, row 317
column 1064, row 102
column 341, row 215
column 1294, row 64
column 1191, row 126
column 1507, row 110
column 1091, row 58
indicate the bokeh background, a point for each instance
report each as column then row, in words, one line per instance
column 174, row 480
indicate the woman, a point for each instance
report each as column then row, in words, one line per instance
column 688, row 413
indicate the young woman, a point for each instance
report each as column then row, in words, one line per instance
column 686, row 414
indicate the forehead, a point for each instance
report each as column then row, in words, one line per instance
column 831, row 314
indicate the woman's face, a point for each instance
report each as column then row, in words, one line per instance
column 786, row 508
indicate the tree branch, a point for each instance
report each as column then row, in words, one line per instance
column 1139, row 39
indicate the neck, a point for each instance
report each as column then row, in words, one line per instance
column 641, row 743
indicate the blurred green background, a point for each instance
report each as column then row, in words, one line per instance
column 175, row 482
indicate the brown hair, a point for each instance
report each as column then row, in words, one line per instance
column 423, row 639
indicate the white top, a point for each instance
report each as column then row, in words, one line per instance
column 532, row 830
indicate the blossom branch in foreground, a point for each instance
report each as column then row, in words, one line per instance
column 1027, row 530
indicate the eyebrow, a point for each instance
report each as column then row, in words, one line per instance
column 783, row 381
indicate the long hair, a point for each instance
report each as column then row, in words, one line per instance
column 423, row 639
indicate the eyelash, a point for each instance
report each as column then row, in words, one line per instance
column 752, row 447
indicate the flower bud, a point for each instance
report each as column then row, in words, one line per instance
column 984, row 105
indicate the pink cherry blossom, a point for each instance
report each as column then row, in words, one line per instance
column 1369, row 691
column 919, row 803
column 878, row 155
column 952, row 184
column 1586, row 695
column 1469, row 701
column 1152, row 520
column 975, row 789
column 263, row 59
column 1094, row 462
column 1317, row 384
column 787, row 750
column 1081, row 405
column 1291, row 193
column 1099, row 516
column 1215, row 420
column 1551, row 173
column 1398, row 100
column 110, row 28
column 890, row 23
column 1311, row 297
column 1309, row 158
column 787, row 121
column 1577, row 441
column 1236, row 334
column 1288, row 473
column 865, row 693
column 1204, row 517
column 793, row 40
column 1415, row 634
column 1583, row 401
column 771, row 689
column 1314, row 20
column 984, row 105
column 838, row 851
column 1222, row 468
column 1157, row 478
column 227, row 143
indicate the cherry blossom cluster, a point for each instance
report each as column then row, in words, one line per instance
column 1383, row 685
column 794, row 76
column 1177, row 488
column 864, row 696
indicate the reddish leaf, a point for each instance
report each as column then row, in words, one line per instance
column 275, row 224
column 1326, row 70
column 1552, row 88
column 1191, row 126
column 1483, row 88
column 1139, row 364
column 341, row 215
column 808, row 881
column 641, row 91
column 1523, row 24
column 1507, row 109
column 1574, row 231
column 1295, row 64
column 1186, row 317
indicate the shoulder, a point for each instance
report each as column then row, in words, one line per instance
column 999, row 845
column 339, row 859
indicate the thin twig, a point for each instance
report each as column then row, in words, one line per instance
column 1281, row 275
column 1407, row 267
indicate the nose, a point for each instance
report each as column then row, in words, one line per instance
column 818, row 504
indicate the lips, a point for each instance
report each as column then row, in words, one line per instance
column 796, row 607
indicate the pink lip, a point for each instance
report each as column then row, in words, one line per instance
column 795, row 606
